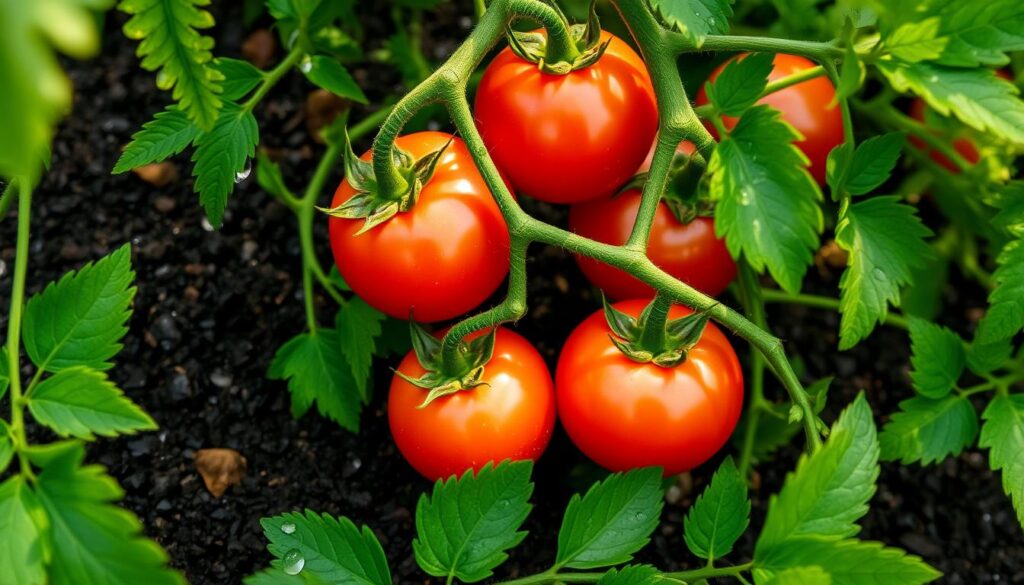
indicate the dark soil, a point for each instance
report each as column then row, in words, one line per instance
column 213, row 306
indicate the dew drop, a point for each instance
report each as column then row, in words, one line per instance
column 244, row 173
column 879, row 274
column 711, row 21
column 207, row 226
column 288, row 528
column 746, row 197
column 306, row 65
column 640, row 516
column 293, row 562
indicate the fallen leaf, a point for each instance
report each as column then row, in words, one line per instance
column 158, row 174
column 220, row 469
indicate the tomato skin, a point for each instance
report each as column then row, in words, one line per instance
column 689, row 252
column 509, row 418
column 804, row 105
column 568, row 138
column 623, row 414
column 441, row 258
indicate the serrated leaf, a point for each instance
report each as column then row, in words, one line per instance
column 1003, row 435
column 938, row 358
column 719, row 516
column 829, row 490
column 741, row 83
column 983, row 358
column 332, row 549
column 312, row 365
column 1005, row 315
column 359, row 325
column 928, row 430
column 873, row 162
column 978, row 97
column 21, row 550
column 220, row 155
column 465, row 527
column 767, row 202
column 695, row 18
column 80, row 320
column 885, row 239
column 167, row 134
column 799, row 576
column 979, row 33
column 631, row 575
column 94, row 541
column 848, row 562
column 916, row 41
column 328, row 74
column 168, row 31
column 80, row 402
column 240, row 77
column 612, row 521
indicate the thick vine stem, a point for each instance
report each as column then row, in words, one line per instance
column 816, row 51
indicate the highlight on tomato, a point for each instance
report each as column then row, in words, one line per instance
column 438, row 249
column 644, row 384
column 495, row 402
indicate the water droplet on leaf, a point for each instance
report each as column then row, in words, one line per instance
column 878, row 273
column 293, row 562
column 288, row 528
column 244, row 173
column 306, row 65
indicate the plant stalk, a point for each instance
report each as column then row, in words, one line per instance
column 14, row 324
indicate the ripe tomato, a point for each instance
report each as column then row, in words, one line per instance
column 510, row 417
column 624, row 414
column 441, row 258
column 568, row 138
column 805, row 106
column 689, row 252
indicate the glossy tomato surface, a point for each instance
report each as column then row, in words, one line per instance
column 510, row 417
column 965, row 146
column 568, row 138
column 623, row 414
column 441, row 258
column 689, row 252
column 806, row 106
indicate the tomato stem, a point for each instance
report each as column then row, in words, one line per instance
column 771, row 295
column 652, row 338
column 750, row 293
column 271, row 78
column 886, row 114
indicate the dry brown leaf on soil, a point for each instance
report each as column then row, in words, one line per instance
column 220, row 469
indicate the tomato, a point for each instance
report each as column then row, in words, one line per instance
column 441, row 258
column 509, row 417
column 962, row 144
column 568, row 138
column 624, row 414
column 805, row 106
column 689, row 252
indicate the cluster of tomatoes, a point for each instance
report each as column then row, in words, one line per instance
column 571, row 139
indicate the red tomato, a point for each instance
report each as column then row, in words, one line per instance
column 510, row 417
column 805, row 106
column 624, row 414
column 568, row 138
column 441, row 258
column 689, row 252
column 962, row 144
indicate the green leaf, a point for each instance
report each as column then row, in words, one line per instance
column 829, row 490
column 220, row 155
column 327, row 73
column 22, row 522
column 631, row 575
column 740, row 84
column 923, row 296
column 5, row 378
column 275, row 577
column 80, row 401
column 94, row 541
column 394, row 338
column 885, row 240
column 1005, row 315
column 359, row 325
column 938, row 358
column 612, row 521
column 695, row 18
column 6, row 446
column 800, row 576
column 851, row 74
column 973, row 33
column 168, row 31
column 983, row 358
column 1003, row 434
column 80, row 320
column 916, row 41
column 873, row 162
column 848, row 562
column 167, row 134
column 466, row 526
column 767, row 202
column 928, row 430
column 978, row 97
column 331, row 549
column 719, row 516
column 312, row 364
column 240, row 77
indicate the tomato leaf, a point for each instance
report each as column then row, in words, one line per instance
column 80, row 401
column 80, row 320
column 631, row 575
column 167, row 134
column 740, row 84
column 275, row 577
column 983, row 358
column 851, row 74
column 847, row 562
column 240, row 77
column 1005, row 315
column 928, row 430
column 1003, row 435
column 938, row 358
column 311, row 363
column 220, row 155
column 328, row 74
column 331, row 550
column 695, row 18
column 801, row 576
column 467, row 524
column 916, row 41
column 873, row 162
column 22, row 520
column 885, row 240
column 830, row 489
column 767, row 202
column 719, row 516
column 613, row 520
column 358, row 326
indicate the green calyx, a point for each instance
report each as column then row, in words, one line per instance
column 653, row 337
column 585, row 47
column 684, row 195
column 369, row 202
column 456, row 372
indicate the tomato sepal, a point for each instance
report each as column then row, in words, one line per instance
column 586, row 38
column 651, row 337
column 446, row 375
